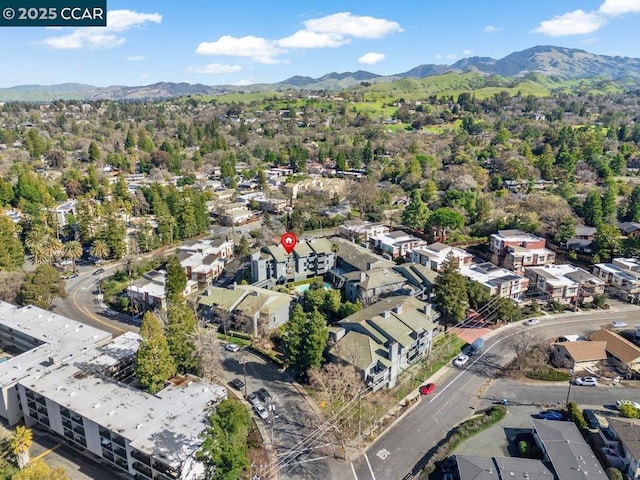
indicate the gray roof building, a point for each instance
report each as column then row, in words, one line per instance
column 501, row 468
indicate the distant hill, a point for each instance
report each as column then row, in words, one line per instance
column 558, row 62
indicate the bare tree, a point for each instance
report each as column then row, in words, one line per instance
column 523, row 344
column 207, row 346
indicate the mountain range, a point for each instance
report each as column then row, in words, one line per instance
column 559, row 62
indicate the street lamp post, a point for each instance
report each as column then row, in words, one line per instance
column 566, row 403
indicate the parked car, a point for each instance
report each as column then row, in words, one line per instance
column 530, row 322
column 261, row 411
column 231, row 347
column 253, row 398
column 99, row 271
column 586, row 381
column 618, row 324
column 427, row 389
column 461, row 360
column 475, row 347
column 264, row 395
column 237, row 384
column 591, row 419
column 551, row 415
column 619, row 403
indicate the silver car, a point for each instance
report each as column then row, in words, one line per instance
column 261, row 411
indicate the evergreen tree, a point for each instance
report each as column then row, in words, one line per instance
column 41, row 286
column 304, row 340
column 609, row 203
column 181, row 325
column 94, row 153
column 607, row 241
column 451, row 294
column 592, row 209
column 11, row 251
column 224, row 450
column 415, row 214
column 176, row 280
column 154, row 364
column 634, row 205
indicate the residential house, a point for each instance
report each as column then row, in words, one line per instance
column 497, row 281
column 516, row 250
column 396, row 244
column 385, row 338
column 361, row 230
column 310, row 258
column 563, row 445
column 623, row 354
column 63, row 210
column 629, row 229
column 622, row 278
column 501, row 468
column 564, row 284
column 436, row 254
column 75, row 381
column 421, row 278
column 234, row 214
column 580, row 355
column 628, row 432
column 582, row 240
column 369, row 286
column 245, row 308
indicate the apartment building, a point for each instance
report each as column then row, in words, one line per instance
column 496, row 280
column 396, row 244
column 361, row 230
column 516, row 250
column 77, row 382
column 437, row 254
column 622, row 278
column 564, row 284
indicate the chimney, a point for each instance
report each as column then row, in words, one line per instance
column 397, row 309
column 369, row 266
column 363, row 277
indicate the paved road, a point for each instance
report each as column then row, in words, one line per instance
column 294, row 419
column 413, row 439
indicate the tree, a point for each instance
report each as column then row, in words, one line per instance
column 614, row 474
column 224, row 450
column 176, row 280
column 94, row 152
column 592, row 209
column 19, row 443
column 522, row 343
column 565, row 230
column 609, row 203
column 442, row 220
column 242, row 249
column 627, row 410
column 508, row 311
column 154, row 364
column 39, row 470
column 606, row 241
column 478, row 295
column 99, row 249
column 416, row 214
column 72, row 251
column 181, row 326
column 11, row 251
column 304, row 340
column 41, row 286
column 451, row 294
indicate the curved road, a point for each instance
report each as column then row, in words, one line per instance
column 403, row 449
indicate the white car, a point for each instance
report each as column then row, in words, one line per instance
column 461, row 360
column 619, row 403
column 261, row 411
column 586, row 381
column 231, row 347
column 618, row 324
column 531, row 322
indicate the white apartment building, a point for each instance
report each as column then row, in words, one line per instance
column 77, row 381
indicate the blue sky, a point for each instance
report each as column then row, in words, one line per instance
column 246, row 41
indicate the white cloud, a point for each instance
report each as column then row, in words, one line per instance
column 491, row 29
column 619, row 7
column 344, row 23
column 215, row 69
column 438, row 56
column 309, row 39
column 577, row 22
column 590, row 41
column 102, row 38
column 467, row 52
column 244, row 82
column 451, row 56
column 371, row 58
column 136, row 58
column 259, row 49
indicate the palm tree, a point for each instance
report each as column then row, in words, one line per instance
column 19, row 444
column 72, row 251
column 52, row 248
column 335, row 248
column 99, row 249
column 38, row 255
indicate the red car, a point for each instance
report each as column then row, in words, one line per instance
column 427, row 389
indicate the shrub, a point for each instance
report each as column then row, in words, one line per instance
column 549, row 375
column 614, row 474
column 523, row 448
column 629, row 411
column 576, row 415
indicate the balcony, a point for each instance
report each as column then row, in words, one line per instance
column 121, row 452
column 145, row 470
column 165, row 469
column 141, row 457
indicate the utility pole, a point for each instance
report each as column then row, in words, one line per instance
column 244, row 371
column 566, row 403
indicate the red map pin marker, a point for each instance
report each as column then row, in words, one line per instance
column 288, row 241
